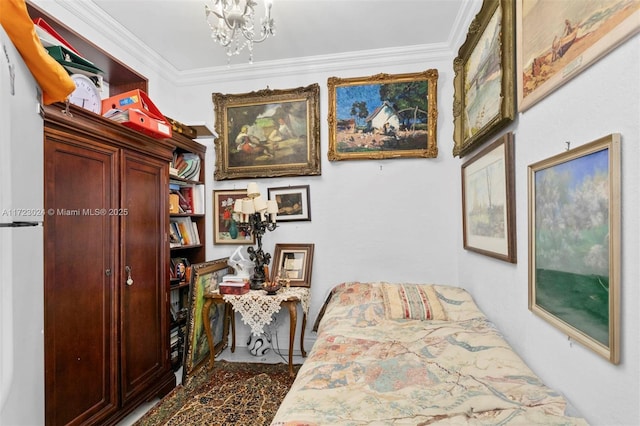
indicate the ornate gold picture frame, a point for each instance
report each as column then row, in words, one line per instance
column 268, row 133
column 206, row 277
column 484, row 91
column 383, row 116
column 574, row 243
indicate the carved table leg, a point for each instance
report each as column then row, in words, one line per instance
column 293, row 318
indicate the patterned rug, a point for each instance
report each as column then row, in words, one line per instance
column 233, row 393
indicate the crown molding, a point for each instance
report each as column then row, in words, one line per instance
column 101, row 22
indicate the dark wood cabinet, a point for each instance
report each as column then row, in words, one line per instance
column 106, row 268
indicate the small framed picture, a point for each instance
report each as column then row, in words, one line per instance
column 293, row 203
column 488, row 206
column 293, row 262
column 225, row 226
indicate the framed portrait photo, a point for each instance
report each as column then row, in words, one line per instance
column 488, row 201
column 294, row 203
column 484, row 92
column 559, row 39
column 293, row 262
column 268, row 133
column 574, row 244
column 383, row 116
column 225, row 226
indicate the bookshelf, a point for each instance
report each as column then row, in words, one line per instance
column 186, row 232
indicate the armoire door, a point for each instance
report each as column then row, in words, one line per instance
column 143, row 306
column 80, row 310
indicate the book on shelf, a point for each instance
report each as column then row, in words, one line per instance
column 187, row 165
column 184, row 230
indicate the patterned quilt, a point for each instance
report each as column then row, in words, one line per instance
column 367, row 369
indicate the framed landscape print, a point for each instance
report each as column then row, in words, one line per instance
column 484, row 92
column 294, row 203
column 488, row 201
column 206, row 277
column 268, row 133
column 574, row 243
column 559, row 39
column 225, row 226
column 383, row 116
column 293, row 262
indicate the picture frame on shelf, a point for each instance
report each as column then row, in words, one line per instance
column 484, row 91
column 293, row 262
column 268, row 133
column 488, row 201
column 294, row 203
column 373, row 118
column 225, row 230
column 556, row 41
column 575, row 246
column 206, row 277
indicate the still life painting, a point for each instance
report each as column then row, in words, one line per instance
column 574, row 243
column 383, row 116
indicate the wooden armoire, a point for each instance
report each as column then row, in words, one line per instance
column 106, row 268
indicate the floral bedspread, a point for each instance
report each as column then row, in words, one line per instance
column 365, row 369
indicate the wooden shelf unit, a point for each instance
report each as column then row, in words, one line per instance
column 192, row 253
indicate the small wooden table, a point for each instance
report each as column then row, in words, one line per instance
column 290, row 302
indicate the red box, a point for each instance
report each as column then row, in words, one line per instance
column 142, row 122
column 234, row 287
column 143, row 115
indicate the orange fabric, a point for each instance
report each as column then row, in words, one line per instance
column 53, row 79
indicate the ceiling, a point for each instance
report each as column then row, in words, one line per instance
column 176, row 31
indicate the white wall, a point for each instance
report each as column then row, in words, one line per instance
column 602, row 100
column 360, row 232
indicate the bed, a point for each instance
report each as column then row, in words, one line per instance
column 414, row 354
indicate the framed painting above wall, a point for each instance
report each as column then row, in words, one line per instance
column 559, row 39
column 383, row 116
column 574, row 244
column 484, row 92
column 268, row 133
column 488, row 201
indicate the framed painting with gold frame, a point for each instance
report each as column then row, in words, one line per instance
column 268, row 133
column 484, row 92
column 383, row 116
column 206, row 277
column 574, row 243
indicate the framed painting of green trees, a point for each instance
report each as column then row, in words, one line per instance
column 574, row 244
column 383, row 116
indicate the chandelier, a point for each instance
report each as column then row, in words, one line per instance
column 232, row 25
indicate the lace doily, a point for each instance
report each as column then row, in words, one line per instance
column 257, row 308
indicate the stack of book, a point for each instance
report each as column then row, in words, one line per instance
column 183, row 232
column 186, row 166
column 233, row 284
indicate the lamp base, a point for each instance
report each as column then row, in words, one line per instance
column 256, row 283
